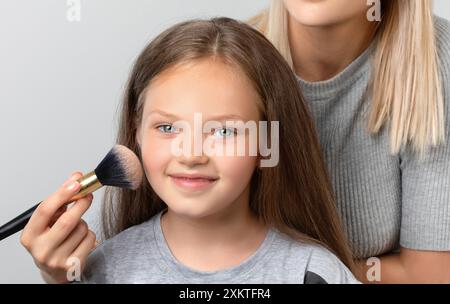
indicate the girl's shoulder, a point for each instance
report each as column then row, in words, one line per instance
column 326, row 267
column 119, row 253
column 322, row 266
column 132, row 237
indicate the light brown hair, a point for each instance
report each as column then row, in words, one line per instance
column 296, row 195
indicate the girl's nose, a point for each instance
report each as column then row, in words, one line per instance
column 192, row 160
column 192, row 154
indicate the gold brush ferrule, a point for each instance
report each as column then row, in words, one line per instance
column 88, row 184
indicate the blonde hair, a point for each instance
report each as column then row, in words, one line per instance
column 406, row 87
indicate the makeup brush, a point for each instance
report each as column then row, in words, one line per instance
column 120, row 168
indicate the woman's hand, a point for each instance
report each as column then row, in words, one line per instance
column 54, row 233
column 407, row 267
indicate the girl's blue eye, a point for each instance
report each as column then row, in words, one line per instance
column 225, row 132
column 167, row 129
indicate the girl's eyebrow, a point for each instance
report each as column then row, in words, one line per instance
column 217, row 117
column 162, row 113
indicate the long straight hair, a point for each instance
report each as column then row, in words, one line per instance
column 406, row 89
column 295, row 196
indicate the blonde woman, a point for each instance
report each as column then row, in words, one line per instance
column 379, row 91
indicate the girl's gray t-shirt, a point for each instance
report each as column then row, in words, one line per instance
column 140, row 254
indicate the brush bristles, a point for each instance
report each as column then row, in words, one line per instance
column 120, row 168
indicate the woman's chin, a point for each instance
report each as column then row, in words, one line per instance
column 323, row 13
column 316, row 21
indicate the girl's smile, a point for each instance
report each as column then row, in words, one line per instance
column 193, row 182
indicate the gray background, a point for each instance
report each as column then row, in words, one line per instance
column 60, row 86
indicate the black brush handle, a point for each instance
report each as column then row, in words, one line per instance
column 17, row 223
column 88, row 184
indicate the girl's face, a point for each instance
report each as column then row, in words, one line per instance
column 325, row 12
column 219, row 93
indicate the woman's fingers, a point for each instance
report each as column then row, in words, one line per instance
column 42, row 216
column 57, row 214
column 67, row 222
column 73, row 240
column 56, row 232
column 85, row 248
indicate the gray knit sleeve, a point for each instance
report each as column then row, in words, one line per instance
column 425, row 223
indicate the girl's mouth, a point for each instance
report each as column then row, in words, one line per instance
column 193, row 182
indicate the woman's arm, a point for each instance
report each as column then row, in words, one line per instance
column 410, row 266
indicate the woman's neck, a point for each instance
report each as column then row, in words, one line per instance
column 319, row 53
column 214, row 242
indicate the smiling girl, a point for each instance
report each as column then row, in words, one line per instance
column 215, row 218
